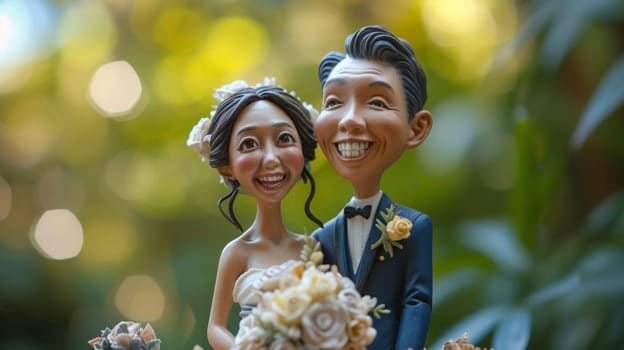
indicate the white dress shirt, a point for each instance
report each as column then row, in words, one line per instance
column 358, row 228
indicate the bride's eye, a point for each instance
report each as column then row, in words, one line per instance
column 247, row 144
column 286, row 138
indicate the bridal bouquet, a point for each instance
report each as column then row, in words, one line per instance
column 309, row 306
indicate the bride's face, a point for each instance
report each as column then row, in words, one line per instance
column 265, row 152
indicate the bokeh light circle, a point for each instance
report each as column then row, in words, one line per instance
column 115, row 88
column 58, row 234
column 139, row 297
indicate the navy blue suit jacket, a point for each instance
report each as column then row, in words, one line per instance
column 403, row 282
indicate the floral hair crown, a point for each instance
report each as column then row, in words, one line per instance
column 199, row 138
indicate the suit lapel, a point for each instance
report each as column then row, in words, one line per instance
column 342, row 247
column 369, row 256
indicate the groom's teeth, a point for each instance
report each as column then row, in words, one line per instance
column 352, row 149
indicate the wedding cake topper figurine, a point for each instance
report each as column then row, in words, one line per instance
column 259, row 139
column 372, row 110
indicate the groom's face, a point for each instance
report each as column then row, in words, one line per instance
column 362, row 127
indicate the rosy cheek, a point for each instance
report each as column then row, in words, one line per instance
column 293, row 157
column 243, row 163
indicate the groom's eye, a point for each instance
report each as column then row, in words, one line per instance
column 379, row 103
column 331, row 103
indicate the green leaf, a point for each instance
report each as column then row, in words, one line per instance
column 454, row 282
column 601, row 261
column 607, row 98
column 608, row 217
column 380, row 225
column 555, row 290
column 524, row 201
column 577, row 332
column 567, row 26
column 540, row 16
column 514, row 331
column 496, row 240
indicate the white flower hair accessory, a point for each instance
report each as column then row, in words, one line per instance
column 199, row 138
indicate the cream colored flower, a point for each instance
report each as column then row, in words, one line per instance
column 367, row 303
column 313, row 112
column 289, row 281
column 249, row 335
column 282, row 344
column 324, row 325
column 346, row 283
column 270, row 322
column 245, row 327
column 350, row 298
column 228, row 90
column 393, row 228
column 308, row 306
column 199, row 138
column 316, row 258
column 290, row 305
column 398, row 228
column 360, row 330
column 318, row 284
column 353, row 346
column 271, row 277
column 269, row 317
column 254, row 339
column 294, row 333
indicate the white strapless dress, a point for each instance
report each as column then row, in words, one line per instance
column 249, row 286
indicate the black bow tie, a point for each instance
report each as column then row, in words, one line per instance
column 353, row 211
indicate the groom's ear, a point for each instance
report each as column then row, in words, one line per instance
column 420, row 126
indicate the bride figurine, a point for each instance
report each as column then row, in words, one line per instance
column 261, row 140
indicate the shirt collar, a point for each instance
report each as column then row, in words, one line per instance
column 373, row 201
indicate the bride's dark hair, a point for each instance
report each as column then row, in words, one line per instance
column 222, row 124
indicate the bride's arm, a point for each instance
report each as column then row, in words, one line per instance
column 231, row 264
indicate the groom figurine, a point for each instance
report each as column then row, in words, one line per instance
column 372, row 110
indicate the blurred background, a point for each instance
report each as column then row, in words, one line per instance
column 106, row 215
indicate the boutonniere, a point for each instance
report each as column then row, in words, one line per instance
column 393, row 228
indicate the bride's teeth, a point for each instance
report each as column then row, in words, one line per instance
column 271, row 178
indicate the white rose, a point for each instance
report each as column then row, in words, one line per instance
column 350, row 298
column 324, row 325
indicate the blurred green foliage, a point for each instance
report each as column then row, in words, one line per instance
column 522, row 175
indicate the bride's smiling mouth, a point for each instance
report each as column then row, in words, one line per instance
column 271, row 181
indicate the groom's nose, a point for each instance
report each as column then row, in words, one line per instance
column 352, row 120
